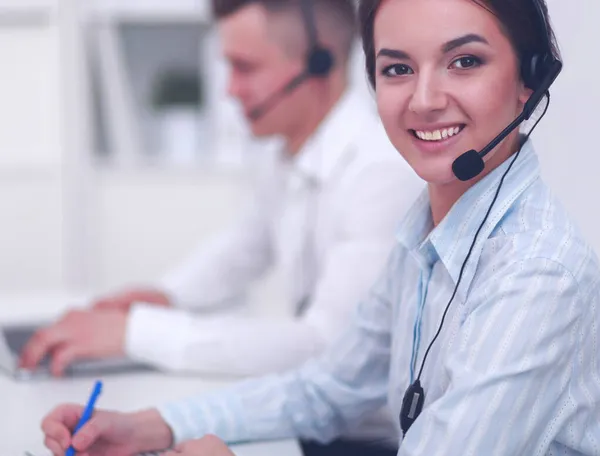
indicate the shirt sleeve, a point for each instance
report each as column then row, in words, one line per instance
column 510, row 371
column 223, row 345
column 325, row 397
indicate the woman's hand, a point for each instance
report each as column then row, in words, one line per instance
column 106, row 433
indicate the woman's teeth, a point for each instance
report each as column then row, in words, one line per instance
column 438, row 135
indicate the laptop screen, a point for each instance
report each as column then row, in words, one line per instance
column 8, row 361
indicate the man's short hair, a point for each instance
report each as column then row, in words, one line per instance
column 338, row 15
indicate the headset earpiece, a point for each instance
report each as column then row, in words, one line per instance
column 320, row 62
column 529, row 68
column 534, row 69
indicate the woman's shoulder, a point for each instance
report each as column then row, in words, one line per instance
column 537, row 227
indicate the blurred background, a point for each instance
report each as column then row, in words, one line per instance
column 119, row 150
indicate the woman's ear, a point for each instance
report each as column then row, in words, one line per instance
column 524, row 93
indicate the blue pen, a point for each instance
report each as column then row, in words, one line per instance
column 87, row 413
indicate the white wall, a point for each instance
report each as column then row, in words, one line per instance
column 31, row 230
column 565, row 139
column 31, row 175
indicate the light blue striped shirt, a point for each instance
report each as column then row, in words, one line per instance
column 515, row 370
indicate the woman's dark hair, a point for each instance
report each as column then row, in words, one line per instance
column 521, row 20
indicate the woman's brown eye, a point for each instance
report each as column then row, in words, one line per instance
column 464, row 63
column 397, row 69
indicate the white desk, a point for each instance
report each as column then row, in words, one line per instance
column 24, row 404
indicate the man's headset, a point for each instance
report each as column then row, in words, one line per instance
column 319, row 62
column 538, row 71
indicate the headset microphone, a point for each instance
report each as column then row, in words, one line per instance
column 266, row 106
column 319, row 63
column 470, row 164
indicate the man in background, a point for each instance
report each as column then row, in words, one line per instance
column 324, row 214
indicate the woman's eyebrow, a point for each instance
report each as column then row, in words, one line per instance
column 446, row 47
column 461, row 41
column 393, row 53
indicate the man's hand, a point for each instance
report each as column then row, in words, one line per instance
column 123, row 301
column 79, row 334
column 207, row 446
column 106, row 433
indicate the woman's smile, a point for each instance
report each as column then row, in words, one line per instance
column 432, row 139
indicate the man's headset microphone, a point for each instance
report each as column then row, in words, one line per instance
column 538, row 71
column 319, row 62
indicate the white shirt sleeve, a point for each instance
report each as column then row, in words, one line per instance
column 242, row 346
column 229, row 345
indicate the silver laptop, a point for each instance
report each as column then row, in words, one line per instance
column 14, row 338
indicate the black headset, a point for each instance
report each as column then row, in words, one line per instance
column 320, row 61
column 538, row 71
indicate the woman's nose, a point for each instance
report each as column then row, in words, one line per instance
column 429, row 95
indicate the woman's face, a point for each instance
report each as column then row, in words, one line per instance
column 447, row 81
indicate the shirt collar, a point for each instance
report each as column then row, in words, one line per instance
column 321, row 153
column 451, row 239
